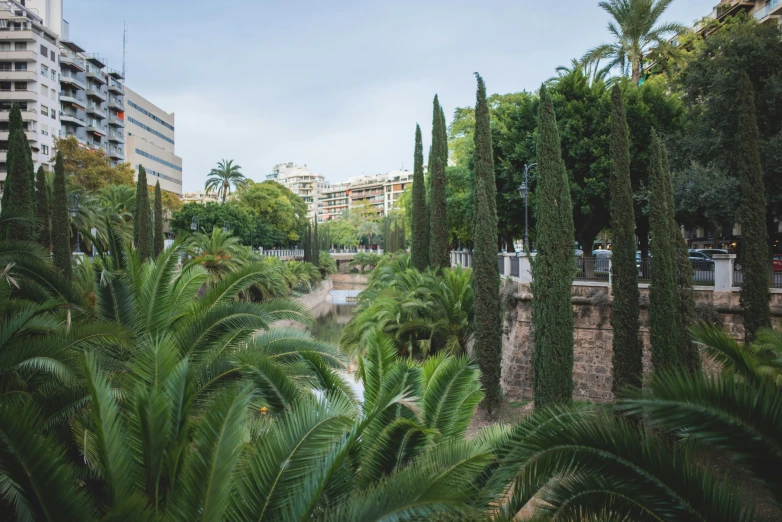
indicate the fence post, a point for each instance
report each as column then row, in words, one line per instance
column 507, row 264
column 525, row 269
column 723, row 272
column 609, row 272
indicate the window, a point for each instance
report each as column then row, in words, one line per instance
column 44, row 70
column 45, row 130
column 44, row 91
column 53, row 56
column 5, row 86
column 54, row 75
column 20, row 86
column 54, row 94
column 20, row 66
column 5, row 46
column 44, row 110
column 20, row 46
column 44, row 50
column 53, row 114
column 5, row 66
column 45, row 150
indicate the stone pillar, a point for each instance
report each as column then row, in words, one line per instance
column 507, row 264
column 723, row 272
column 525, row 269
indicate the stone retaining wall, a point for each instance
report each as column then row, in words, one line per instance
column 592, row 308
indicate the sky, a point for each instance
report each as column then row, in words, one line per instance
column 336, row 85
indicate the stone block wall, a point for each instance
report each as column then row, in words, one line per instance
column 593, row 335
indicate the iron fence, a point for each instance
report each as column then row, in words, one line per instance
column 594, row 269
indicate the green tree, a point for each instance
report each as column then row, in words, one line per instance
column 459, row 204
column 754, row 236
column 142, row 220
column 222, row 177
column 159, row 237
column 553, row 269
column 625, row 319
column 486, row 276
column 18, row 190
column 91, row 169
column 711, row 91
column 439, row 248
column 705, row 197
column 663, row 295
column 420, row 227
column 61, row 221
column 44, row 235
column 214, row 215
column 636, row 29
column 275, row 206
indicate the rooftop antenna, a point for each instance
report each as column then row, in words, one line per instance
column 124, row 45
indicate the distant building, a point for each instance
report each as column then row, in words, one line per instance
column 334, row 201
column 396, row 183
column 200, row 197
column 299, row 180
column 765, row 11
column 149, row 135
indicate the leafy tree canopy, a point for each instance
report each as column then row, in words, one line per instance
column 211, row 215
column 91, row 169
column 275, row 206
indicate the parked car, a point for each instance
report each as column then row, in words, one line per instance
column 711, row 251
column 777, row 262
column 701, row 261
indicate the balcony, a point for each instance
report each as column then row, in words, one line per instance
column 116, row 104
column 73, row 100
column 116, row 88
column 27, row 114
column 116, row 122
column 116, row 153
column 73, row 82
column 96, row 111
column 72, row 118
column 732, row 7
column 20, row 56
column 96, row 75
column 73, row 61
column 16, row 36
column 32, row 135
column 775, row 8
column 96, row 128
column 92, row 92
column 19, row 95
column 116, row 137
column 19, row 76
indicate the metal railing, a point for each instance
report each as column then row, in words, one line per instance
column 738, row 277
column 593, row 269
column 294, row 253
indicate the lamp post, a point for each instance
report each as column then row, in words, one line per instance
column 73, row 208
column 524, row 192
column 194, row 224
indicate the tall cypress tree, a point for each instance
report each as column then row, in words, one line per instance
column 485, row 275
column 142, row 226
column 663, row 292
column 44, row 236
column 18, row 190
column 61, row 227
column 685, row 294
column 625, row 319
column 159, row 239
column 752, row 213
column 439, row 253
column 419, row 253
column 554, row 267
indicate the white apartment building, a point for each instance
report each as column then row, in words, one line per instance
column 29, row 76
column 334, row 201
column 299, row 180
column 764, row 11
column 200, row 197
column 397, row 181
column 149, row 141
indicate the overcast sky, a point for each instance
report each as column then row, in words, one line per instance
column 337, row 85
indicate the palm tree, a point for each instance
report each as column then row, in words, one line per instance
column 368, row 229
column 218, row 252
column 223, row 176
column 636, row 30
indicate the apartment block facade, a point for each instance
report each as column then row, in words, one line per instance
column 29, row 76
column 150, row 141
column 765, row 11
column 302, row 182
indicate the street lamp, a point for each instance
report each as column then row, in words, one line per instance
column 226, row 225
column 73, row 208
column 194, row 224
column 524, row 192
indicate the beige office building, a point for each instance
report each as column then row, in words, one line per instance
column 149, row 142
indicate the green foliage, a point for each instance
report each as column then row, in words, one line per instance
column 214, row 215
column 222, row 177
column 553, row 269
column 142, row 219
column 486, row 277
column 44, row 234
column 277, row 207
column 18, row 189
column 326, row 264
column 439, row 247
column 61, row 228
column 705, row 197
column 752, row 217
column 421, row 313
column 625, row 319
column 419, row 250
column 712, row 92
column 663, row 295
column 159, row 238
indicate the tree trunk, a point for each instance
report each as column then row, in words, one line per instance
column 587, row 242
